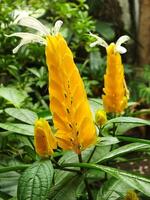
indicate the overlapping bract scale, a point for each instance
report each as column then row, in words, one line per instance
column 68, row 101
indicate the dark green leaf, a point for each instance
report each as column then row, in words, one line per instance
column 110, row 189
column 35, row 182
column 66, row 188
column 105, row 29
column 8, row 182
column 139, row 183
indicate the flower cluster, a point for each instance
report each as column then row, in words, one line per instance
column 75, row 129
column 69, row 105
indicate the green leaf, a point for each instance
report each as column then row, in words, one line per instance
column 133, row 139
column 12, row 95
column 8, row 182
column 95, row 60
column 111, row 188
column 35, row 182
column 66, row 189
column 122, row 150
column 108, row 140
column 105, row 29
column 124, row 124
column 22, row 129
column 138, row 182
column 24, row 115
column 95, row 104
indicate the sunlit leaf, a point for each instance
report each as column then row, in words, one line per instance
column 24, row 115
column 12, row 95
column 23, row 129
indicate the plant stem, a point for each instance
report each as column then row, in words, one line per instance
column 90, row 197
column 14, row 168
column 91, row 154
column 64, row 169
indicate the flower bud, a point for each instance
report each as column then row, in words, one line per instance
column 44, row 140
column 100, row 117
column 131, row 195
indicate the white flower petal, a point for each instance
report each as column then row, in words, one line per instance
column 93, row 44
column 15, row 50
column 120, row 49
column 57, row 27
column 18, row 14
column 122, row 40
column 100, row 41
column 31, row 22
column 29, row 36
column 26, row 39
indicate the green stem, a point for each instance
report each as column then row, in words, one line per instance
column 90, row 197
column 64, row 169
column 91, row 154
column 14, row 168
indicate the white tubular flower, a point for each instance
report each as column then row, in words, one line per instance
column 26, row 39
column 118, row 48
column 119, row 42
column 33, row 23
column 57, row 27
column 100, row 41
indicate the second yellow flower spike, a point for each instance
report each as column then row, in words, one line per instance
column 116, row 94
column 114, row 99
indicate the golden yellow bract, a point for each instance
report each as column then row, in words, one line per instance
column 44, row 139
column 114, row 99
column 68, row 101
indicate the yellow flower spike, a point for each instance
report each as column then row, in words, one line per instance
column 44, row 139
column 100, row 117
column 131, row 195
column 116, row 94
column 68, row 101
